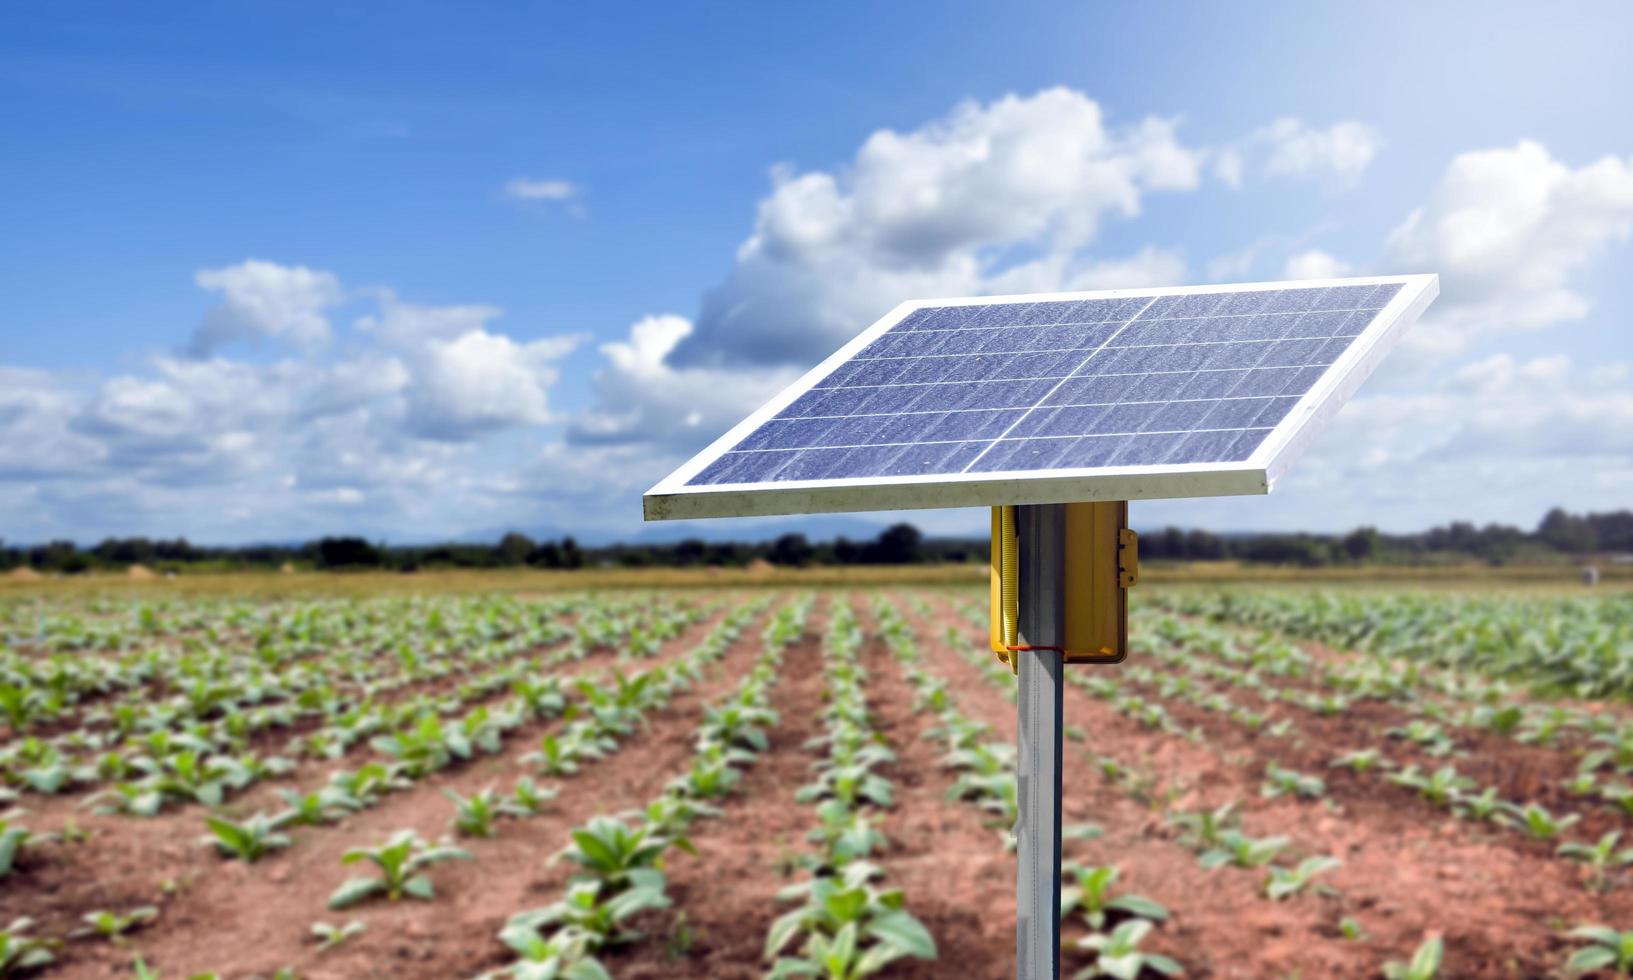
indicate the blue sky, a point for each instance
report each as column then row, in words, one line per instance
column 278, row 270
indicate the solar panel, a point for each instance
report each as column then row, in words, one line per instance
column 1124, row 394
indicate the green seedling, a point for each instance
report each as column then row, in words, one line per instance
column 400, row 861
column 1606, row 949
column 530, row 798
column 1286, row 782
column 852, row 930
column 1089, row 891
column 1425, row 964
column 331, row 936
column 1118, row 954
column 601, row 919
column 614, row 852
column 20, row 952
column 1600, row 857
column 112, row 925
column 1286, row 882
column 1539, row 824
column 1241, row 851
column 562, row 956
column 1361, row 761
column 474, row 816
column 248, row 841
column 1205, row 829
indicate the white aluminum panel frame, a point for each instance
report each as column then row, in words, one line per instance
column 671, row 499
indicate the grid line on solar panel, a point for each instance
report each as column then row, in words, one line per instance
column 936, row 442
column 1192, row 377
column 1325, row 317
column 955, row 411
column 1086, row 362
column 1112, row 346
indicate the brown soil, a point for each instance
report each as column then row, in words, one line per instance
column 238, row 919
column 1408, row 870
column 725, row 898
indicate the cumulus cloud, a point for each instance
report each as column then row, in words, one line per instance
column 480, row 382
column 938, row 210
column 265, row 301
column 428, row 416
column 1290, row 147
column 1507, row 229
column 401, row 324
column 640, row 397
column 200, row 443
column 1316, row 264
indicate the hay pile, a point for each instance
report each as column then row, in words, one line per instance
column 140, row 573
column 760, row 566
column 24, row 575
column 287, row 568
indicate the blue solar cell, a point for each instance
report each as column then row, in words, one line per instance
column 1346, row 297
column 1233, row 413
column 1201, row 447
column 1274, row 412
column 1380, row 296
column 1022, row 454
column 1089, row 451
column 1143, row 450
column 917, row 343
column 991, row 387
column 1060, row 421
column 1293, row 300
column 1177, row 416
column 974, row 425
column 815, row 464
column 1211, row 383
column 1187, row 305
column 1264, row 381
column 994, row 394
column 1122, row 418
column 1292, row 353
column 735, row 467
column 789, row 434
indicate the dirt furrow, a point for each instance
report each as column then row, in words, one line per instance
column 130, row 862
column 1405, row 873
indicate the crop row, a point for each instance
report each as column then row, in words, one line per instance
column 621, row 858
column 1583, row 647
column 158, row 754
column 1115, row 923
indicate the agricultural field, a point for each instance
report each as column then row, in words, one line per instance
column 741, row 781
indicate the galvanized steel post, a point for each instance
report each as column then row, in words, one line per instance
column 1041, row 534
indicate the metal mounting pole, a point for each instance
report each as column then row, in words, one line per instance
column 1041, row 534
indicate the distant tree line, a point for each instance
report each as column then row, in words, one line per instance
column 1558, row 535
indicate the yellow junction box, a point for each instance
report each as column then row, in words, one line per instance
column 1102, row 564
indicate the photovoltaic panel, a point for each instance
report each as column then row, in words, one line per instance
column 1064, row 397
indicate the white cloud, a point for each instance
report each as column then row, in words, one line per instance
column 265, row 301
column 1507, row 229
column 641, row 398
column 939, row 210
column 213, row 447
column 1290, row 147
column 409, row 324
column 1316, row 264
column 531, row 189
column 424, row 421
column 1343, row 150
column 480, row 382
